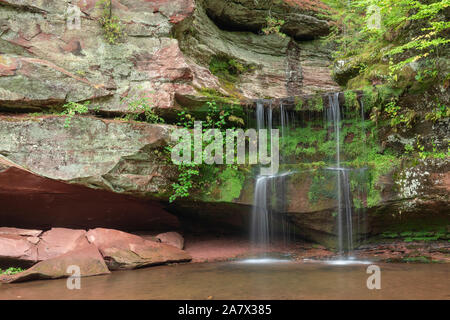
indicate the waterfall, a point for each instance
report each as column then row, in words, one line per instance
column 260, row 214
column 269, row 221
column 345, row 211
column 269, row 204
column 344, row 207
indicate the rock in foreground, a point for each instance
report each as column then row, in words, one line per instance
column 126, row 251
column 88, row 259
column 93, row 252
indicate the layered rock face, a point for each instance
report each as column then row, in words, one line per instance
column 301, row 18
column 39, row 157
column 277, row 66
column 46, row 61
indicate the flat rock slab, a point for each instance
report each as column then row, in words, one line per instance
column 58, row 241
column 88, row 259
column 123, row 250
column 16, row 250
column 20, row 232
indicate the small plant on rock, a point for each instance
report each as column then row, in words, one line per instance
column 111, row 25
column 11, row 271
column 141, row 109
column 72, row 108
column 274, row 27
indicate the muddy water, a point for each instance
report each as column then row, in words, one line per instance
column 234, row 280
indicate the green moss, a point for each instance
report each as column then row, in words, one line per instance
column 227, row 68
column 232, row 183
column 420, row 259
column 222, row 184
column 359, row 149
column 218, row 97
column 323, row 186
column 428, row 233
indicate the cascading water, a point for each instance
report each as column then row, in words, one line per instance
column 270, row 191
column 345, row 214
column 269, row 218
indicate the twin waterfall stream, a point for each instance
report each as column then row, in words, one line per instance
column 270, row 220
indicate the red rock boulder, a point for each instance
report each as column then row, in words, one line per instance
column 88, row 259
column 122, row 250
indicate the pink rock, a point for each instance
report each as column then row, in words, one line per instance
column 59, row 241
column 123, row 250
column 33, row 240
column 172, row 238
column 168, row 63
column 20, row 232
column 15, row 250
column 88, row 259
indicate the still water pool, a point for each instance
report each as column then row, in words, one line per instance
column 238, row 280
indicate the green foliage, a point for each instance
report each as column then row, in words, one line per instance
column 434, row 154
column 274, row 27
column 72, row 108
column 359, row 149
column 440, row 112
column 226, row 68
column 113, row 29
column 190, row 174
column 187, row 172
column 298, row 104
column 366, row 46
column 397, row 118
column 317, row 102
column 141, row 109
column 11, row 271
column 351, row 99
column 217, row 96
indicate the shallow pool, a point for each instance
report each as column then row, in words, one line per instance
column 237, row 280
